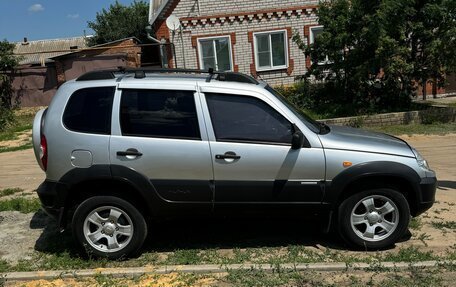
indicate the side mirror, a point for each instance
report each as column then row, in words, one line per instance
column 297, row 140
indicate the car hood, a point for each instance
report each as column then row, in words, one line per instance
column 346, row 138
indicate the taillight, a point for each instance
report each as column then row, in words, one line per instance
column 44, row 152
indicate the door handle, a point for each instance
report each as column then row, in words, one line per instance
column 130, row 151
column 228, row 155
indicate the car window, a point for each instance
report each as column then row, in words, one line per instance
column 89, row 110
column 247, row 119
column 159, row 113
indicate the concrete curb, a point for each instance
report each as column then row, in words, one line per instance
column 212, row 268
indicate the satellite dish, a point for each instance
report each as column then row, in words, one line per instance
column 173, row 23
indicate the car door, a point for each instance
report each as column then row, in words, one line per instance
column 159, row 133
column 250, row 142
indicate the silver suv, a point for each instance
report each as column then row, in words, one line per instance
column 120, row 147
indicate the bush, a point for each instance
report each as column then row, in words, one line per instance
column 329, row 100
column 437, row 115
column 6, row 118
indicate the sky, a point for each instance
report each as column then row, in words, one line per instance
column 48, row 19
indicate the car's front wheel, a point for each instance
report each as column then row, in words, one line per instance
column 374, row 219
column 109, row 227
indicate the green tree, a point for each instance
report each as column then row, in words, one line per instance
column 120, row 22
column 432, row 30
column 378, row 50
column 8, row 64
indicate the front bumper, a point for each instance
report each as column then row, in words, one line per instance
column 53, row 197
column 426, row 198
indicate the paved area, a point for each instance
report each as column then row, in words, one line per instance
column 20, row 169
column 443, row 101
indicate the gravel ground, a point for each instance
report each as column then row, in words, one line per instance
column 22, row 234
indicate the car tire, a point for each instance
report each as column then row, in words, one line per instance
column 374, row 219
column 109, row 227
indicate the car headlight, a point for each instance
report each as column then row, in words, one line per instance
column 420, row 160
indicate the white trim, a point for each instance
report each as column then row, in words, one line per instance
column 200, row 55
column 153, row 15
column 272, row 67
column 311, row 36
column 312, row 40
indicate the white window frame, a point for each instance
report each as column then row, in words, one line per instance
column 312, row 40
column 257, row 66
column 200, row 51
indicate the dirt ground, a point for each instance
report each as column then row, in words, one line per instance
column 22, row 234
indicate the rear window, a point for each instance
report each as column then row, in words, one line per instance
column 159, row 113
column 89, row 110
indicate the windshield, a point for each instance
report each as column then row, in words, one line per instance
column 308, row 121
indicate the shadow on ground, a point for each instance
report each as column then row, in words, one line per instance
column 446, row 184
column 202, row 233
column 237, row 233
column 51, row 239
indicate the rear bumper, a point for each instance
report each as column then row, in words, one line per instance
column 427, row 186
column 53, row 197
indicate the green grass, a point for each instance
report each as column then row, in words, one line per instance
column 446, row 224
column 409, row 254
column 22, row 123
column 10, row 191
column 415, row 223
column 62, row 254
column 431, row 129
column 20, row 204
column 24, row 146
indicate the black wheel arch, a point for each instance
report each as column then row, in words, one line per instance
column 110, row 180
column 377, row 174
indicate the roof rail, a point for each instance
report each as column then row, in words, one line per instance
column 97, row 75
column 141, row 73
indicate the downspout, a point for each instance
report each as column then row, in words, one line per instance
column 162, row 47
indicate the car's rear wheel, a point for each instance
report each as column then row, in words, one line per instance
column 109, row 227
column 374, row 219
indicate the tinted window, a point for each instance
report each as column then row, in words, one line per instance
column 247, row 119
column 159, row 113
column 89, row 110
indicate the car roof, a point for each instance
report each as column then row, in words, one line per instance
column 179, row 75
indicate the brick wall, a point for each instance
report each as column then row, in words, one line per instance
column 189, row 8
column 241, row 18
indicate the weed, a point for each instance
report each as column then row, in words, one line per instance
column 105, row 280
column 423, row 237
column 409, row 254
column 184, row 257
column 415, row 223
column 10, row 191
column 4, row 266
column 446, row 224
column 20, row 204
column 256, row 277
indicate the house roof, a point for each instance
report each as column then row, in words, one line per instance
column 35, row 52
column 109, row 44
column 160, row 8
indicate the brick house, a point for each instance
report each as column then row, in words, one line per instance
column 252, row 37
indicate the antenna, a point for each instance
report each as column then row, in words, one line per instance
column 173, row 23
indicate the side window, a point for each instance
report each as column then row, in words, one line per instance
column 89, row 110
column 247, row 119
column 159, row 113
